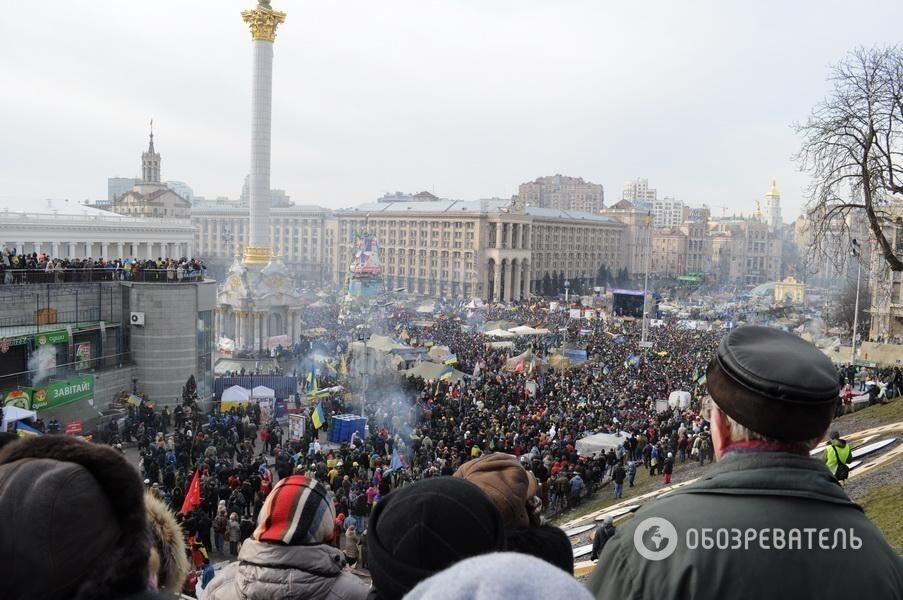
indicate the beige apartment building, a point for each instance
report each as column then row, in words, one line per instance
column 490, row 249
column 296, row 235
column 635, row 240
column 561, row 191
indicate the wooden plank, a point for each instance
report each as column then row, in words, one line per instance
column 866, row 450
column 582, row 550
column 578, row 530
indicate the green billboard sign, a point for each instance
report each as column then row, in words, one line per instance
column 51, row 337
column 60, row 393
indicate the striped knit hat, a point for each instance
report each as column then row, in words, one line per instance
column 299, row 511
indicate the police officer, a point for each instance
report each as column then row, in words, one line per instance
column 766, row 520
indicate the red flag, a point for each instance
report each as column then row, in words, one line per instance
column 193, row 495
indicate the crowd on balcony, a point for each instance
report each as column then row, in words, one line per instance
column 18, row 268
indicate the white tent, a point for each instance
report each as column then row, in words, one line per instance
column 500, row 333
column 599, row 443
column 12, row 414
column 527, row 330
column 432, row 371
column 501, row 345
column 262, row 391
column 236, row 393
column 679, row 400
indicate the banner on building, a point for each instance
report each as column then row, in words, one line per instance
column 60, row 393
column 51, row 337
column 20, row 398
column 83, row 356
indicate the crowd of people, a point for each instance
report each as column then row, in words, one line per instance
column 42, row 268
column 433, row 510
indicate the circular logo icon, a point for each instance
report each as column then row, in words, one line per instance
column 655, row 538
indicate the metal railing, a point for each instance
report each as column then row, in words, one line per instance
column 33, row 276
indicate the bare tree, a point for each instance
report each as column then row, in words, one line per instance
column 853, row 150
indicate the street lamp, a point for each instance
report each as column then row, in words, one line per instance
column 567, row 289
column 644, row 343
column 856, row 253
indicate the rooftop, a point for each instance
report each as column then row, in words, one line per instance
column 52, row 207
column 573, row 215
column 432, row 206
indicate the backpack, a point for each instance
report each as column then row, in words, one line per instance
column 842, row 471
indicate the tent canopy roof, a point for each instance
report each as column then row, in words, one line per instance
column 262, row 391
column 236, row 393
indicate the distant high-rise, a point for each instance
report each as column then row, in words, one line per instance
column 563, row 192
column 117, row 187
column 182, row 189
column 772, row 213
column 638, row 193
column 669, row 212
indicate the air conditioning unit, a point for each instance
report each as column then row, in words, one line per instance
column 137, row 318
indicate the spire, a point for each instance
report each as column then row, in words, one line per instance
column 150, row 161
column 774, row 188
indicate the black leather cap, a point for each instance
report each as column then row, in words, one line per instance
column 774, row 383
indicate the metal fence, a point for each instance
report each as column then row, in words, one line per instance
column 30, row 276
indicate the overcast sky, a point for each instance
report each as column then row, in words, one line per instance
column 465, row 98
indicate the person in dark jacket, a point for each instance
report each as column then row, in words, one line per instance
column 668, row 468
column 766, row 520
column 618, row 477
column 601, row 535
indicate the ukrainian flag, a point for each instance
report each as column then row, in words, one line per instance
column 447, row 375
column 317, row 418
column 451, row 359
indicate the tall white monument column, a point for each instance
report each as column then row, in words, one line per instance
column 263, row 22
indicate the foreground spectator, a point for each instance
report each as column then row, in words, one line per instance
column 773, row 398
column 513, row 490
column 73, row 520
column 290, row 554
column 500, row 575
column 423, row 528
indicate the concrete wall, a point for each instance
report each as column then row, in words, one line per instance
column 165, row 348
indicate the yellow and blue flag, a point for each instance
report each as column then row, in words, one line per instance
column 451, row 359
column 317, row 418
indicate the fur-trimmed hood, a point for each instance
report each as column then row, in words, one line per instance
column 169, row 541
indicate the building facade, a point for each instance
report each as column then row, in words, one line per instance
column 65, row 230
column 563, row 192
column 296, row 235
column 886, row 285
column 149, row 197
column 637, row 237
column 668, row 213
column 638, row 193
column 73, row 348
column 490, row 249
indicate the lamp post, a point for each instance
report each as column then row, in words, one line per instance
column 567, row 289
column 856, row 253
column 644, row 343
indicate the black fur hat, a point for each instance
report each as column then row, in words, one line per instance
column 74, row 523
